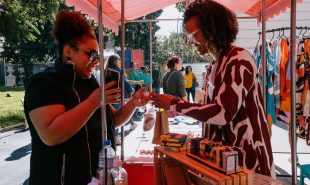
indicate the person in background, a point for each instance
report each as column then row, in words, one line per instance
column 62, row 108
column 190, row 87
column 173, row 80
column 165, row 76
column 234, row 113
column 146, row 76
column 205, row 75
column 156, row 78
column 135, row 76
column 114, row 62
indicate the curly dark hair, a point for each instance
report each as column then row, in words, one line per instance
column 218, row 24
column 70, row 28
column 172, row 61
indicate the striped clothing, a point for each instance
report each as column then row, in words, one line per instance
column 235, row 115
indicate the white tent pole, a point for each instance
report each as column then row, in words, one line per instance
column 264, row 61
column 151, row 51
column 293, row 90
column 123, row 71
column 101, row 66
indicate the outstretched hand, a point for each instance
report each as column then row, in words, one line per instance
column 141, row 98
column 162, row 100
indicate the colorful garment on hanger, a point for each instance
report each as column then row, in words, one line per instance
column 276, row 77
column 270, row 100
column 257, row 59
column 270, row 103
column 303, row 80
column 284, row 112
column 306, row 59
column 301, row 83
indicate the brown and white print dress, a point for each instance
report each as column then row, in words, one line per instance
column 234, row 115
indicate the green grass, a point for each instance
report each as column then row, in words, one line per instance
column 11, row 109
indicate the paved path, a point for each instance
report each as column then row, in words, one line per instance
column 15, row 151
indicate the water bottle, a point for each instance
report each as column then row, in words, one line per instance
column 119, row 174
column 106, row 163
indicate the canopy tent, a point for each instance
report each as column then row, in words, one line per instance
column 111, row 9
column 113, row 14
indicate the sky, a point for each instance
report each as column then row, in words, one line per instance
column 166, row 27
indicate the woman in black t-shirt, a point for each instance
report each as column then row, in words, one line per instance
column 62, row 107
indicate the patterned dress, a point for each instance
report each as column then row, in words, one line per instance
column 235, row 115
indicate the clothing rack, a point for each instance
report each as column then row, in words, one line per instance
column 292, row 58
column 301, row 28
column 285, row 28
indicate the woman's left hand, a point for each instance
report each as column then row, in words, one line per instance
column 141, row 98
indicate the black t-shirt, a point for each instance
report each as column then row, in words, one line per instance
column 43, row 93
column 48, row 91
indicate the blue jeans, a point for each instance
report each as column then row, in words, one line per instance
column 190, row 91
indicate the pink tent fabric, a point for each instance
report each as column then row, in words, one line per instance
column 138, row 8
column 112, row 9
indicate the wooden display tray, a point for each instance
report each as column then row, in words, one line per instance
column 202, row 174
column 209, row 174
column 212, row 164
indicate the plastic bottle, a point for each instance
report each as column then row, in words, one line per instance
column 119, row 174
column 104, row 163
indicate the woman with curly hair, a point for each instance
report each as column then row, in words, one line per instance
column 62, row 107
column 234, row 113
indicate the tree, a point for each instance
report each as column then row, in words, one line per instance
column 181, row 6
column 137, row 34
column 26, row 26
column 175, row 45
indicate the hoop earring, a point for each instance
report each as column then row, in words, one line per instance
column 68, row 61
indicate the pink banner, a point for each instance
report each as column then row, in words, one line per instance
column 137, row 56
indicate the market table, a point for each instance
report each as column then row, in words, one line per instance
column 195, row 172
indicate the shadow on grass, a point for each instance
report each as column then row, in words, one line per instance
column 19, row 153
column 9, row 118
column 15, row 89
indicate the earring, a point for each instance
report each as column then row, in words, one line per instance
column 68, row 61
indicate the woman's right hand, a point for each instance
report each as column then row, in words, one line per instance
column 110, row 95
